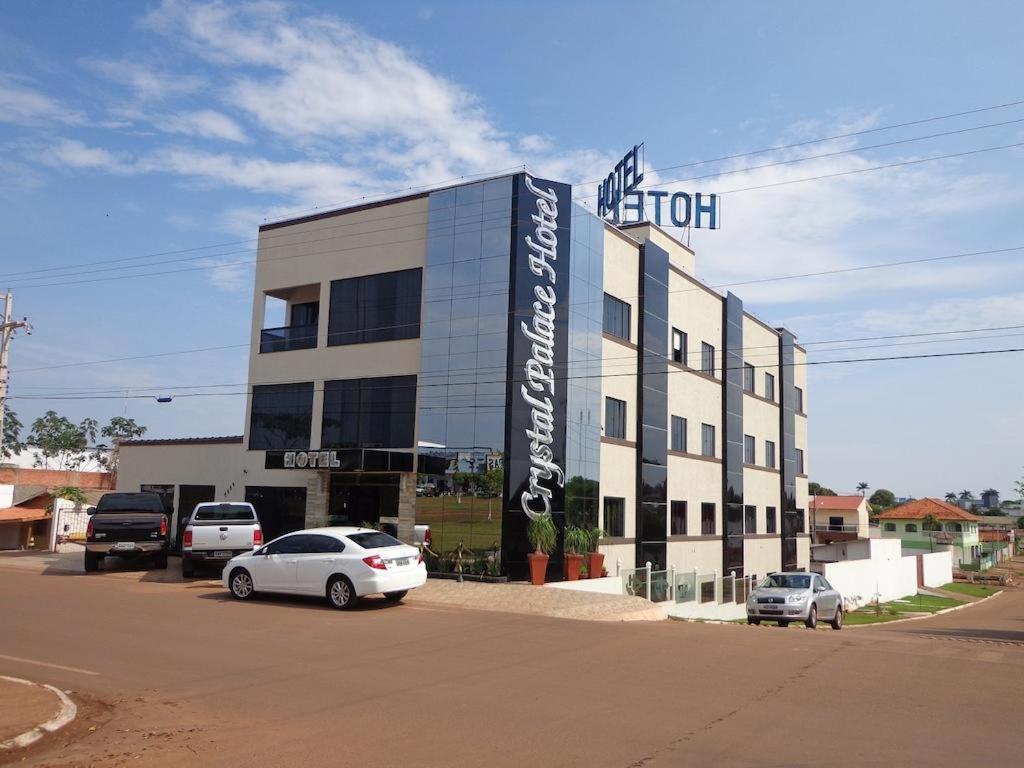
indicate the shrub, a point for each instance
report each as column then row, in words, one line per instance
column 542, row 534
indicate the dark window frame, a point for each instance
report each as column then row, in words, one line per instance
column 380, row 404
column 678, row 430
column 678, row 351
column 769, row 386
column 618, row 516
column 355, row 310
column 707, row 358
column 750, row 518
column 769, row 454
column 749, row 449
column 678, row 509
column 261, row 409
column 708, row 513
column 771, row 520
column 617, row 318
column 615, row 418
column 748, row 378
column 707, row 447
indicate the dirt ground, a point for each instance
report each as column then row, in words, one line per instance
column 174, row 673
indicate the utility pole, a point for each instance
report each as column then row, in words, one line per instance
column 7, row 329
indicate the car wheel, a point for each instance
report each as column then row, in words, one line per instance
column 395, row 597
column 783, row 623
column 188, row 568
column 241, row 585
column 340, row 593
column 755, row 622
column 812, row 617
column 837, row 622
column 160, row 561
column 92, row 562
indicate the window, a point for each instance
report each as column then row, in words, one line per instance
column 289, row 545
column 707, row 358
column 616, row 317
column 748, row 377
column 770, row 520
column 615, row 516
column 750, row 519
column 769, row 454
column 799, row 400
column 749, row 453
column 800, row 461
column 318, row 543
column 707, row 519
column 678, row 518
column 281, row 416
column 382, row 307
column 225, row 511
column 678, row 433
column 615, row 418
column 889, row 527
column 958, row 528
column 910, row 528
column 679, row 346
column 374, row 540
column 369, row 413
column 707, row 440
column 279, row 510
column 769, row 386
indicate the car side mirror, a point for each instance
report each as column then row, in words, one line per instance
column 90, row 510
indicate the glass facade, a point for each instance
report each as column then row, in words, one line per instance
column 369, row 413
column 382, row 307
column 464, row 337
column 281, row 416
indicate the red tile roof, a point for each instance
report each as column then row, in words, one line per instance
column 22, row 515
column 921, row 508
column 844, row 503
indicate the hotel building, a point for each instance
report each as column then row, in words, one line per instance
column 472, row 355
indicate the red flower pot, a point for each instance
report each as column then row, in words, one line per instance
column 572, row 567
column 538, row 568
column 595, row 564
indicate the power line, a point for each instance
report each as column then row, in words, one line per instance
column 418, row 385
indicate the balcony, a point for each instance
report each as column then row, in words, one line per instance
column 288, row 338
column 826, row 534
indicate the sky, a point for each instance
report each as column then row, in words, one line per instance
column 142, row 144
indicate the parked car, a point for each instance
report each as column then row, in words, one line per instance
column 340, row 564
column 786, row 597
column 128, row 525
column 216, row 532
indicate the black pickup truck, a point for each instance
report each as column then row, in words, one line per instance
column 129, row 525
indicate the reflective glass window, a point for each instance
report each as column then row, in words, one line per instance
column 678, row 518
column 707, row 358
column 614, row 516
column 616, row 317
column 369, row 413
column 615, row 418
column 707, row 440
column 678, row 433
column 382, row 307
column 707, row 519
column 281, row 416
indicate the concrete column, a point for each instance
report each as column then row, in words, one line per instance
column 318, row 492
column 406, row 505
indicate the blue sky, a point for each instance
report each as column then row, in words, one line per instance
column 129, row 129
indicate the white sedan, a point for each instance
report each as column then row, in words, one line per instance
column 341, row 564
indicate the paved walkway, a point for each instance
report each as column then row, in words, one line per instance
column 23, row 707
column 539, row 601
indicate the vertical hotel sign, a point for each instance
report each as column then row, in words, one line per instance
column 535, row 464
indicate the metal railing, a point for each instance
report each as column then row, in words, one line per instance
column 288, row 337
column 670, row 585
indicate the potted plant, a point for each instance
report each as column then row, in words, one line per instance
column 595, row 559
column 543, row 536
column 576, row 543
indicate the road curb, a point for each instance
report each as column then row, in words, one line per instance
column 925, row 615
column 68, row 712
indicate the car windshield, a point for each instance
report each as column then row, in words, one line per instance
column 225, row 512
column 374, row 540
column 788, row 581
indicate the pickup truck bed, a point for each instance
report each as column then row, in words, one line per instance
column 128, row 525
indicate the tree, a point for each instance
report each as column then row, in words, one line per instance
column 951, row 497
column 883, row 498
column 1020, row 521
column 61, row 441
column 120, row 428
column 931, row 523
column 493, row 481
column 862, row 487
column 1018, row 487
column 819, row 490
column 11, row 443
column 965, row 495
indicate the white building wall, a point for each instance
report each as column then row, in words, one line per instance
column 884, row 575
column 938, row 568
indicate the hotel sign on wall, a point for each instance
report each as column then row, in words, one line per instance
column 539, row 336
column 618, row 195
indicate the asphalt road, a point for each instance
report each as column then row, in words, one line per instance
column 175, row 674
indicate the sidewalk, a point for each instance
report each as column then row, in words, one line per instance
column 24, row 706
column 524, row 598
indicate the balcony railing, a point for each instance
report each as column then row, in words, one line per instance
column 287, row 338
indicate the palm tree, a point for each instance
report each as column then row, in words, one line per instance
column 931, row 523
column 862, row 487
column 965, row 494
column 951, row 498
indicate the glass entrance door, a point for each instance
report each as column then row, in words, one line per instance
column 358, row 497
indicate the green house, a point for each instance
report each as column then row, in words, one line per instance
column 931, row 525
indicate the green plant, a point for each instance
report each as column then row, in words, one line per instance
column 72, row 493
column 594, row 536
column 577, row 540
column 494, row 564
column 542, row 534
column 372, row 526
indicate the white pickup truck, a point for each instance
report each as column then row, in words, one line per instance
column 216, row 532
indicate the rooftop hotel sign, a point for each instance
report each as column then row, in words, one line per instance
column 539, row 338
column 618, row 195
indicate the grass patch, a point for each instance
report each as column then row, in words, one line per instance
column 974, row 590
column 923, row 604
column 869, row 616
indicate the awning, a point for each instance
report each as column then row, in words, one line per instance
column 22, row 515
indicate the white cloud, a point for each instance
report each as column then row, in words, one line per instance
column 147, row 84
column 22, row 105
column 73, row 153
column 205, row 123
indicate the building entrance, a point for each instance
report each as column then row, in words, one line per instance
column 362, row 497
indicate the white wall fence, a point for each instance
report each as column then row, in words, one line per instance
column 67, row 531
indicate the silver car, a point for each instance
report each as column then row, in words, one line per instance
column 786, row 597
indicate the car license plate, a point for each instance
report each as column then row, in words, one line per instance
column 399, row 562
column 768, row 609
column 223, row 553
column 125, row 545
